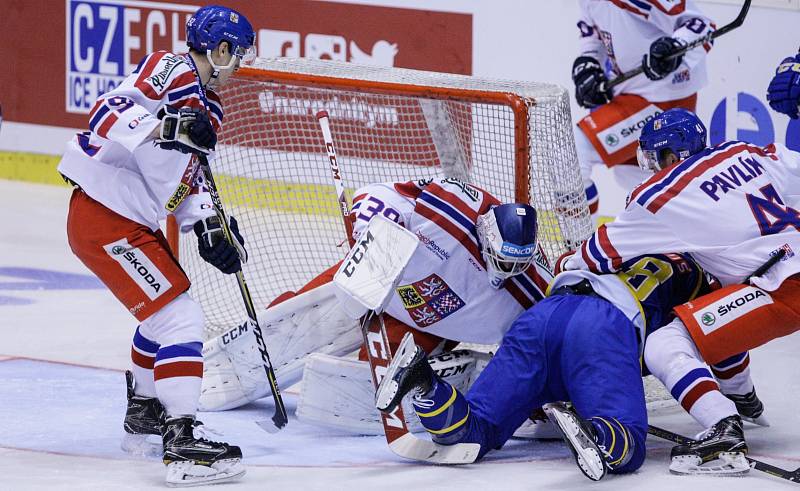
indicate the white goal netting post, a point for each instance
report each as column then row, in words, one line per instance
column 513, row 139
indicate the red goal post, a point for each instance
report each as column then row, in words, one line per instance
column 513, row 139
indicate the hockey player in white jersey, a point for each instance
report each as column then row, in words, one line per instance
column 614, row 35
column 732, row 206
column 477, row 268
column 134, row 166
column 783, row 92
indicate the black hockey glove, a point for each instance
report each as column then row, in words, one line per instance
column 187, row 130
column 656, row 65
column 217, row 251
column 589, row 83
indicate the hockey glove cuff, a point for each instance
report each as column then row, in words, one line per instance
column 658, row 63
column 590, row 81
column 187, row 130
column 215, row 249
column 783, row 92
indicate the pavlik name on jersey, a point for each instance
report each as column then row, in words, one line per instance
column 737, row 174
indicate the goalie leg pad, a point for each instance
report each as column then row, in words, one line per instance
column 313, row 321
column 338, row 392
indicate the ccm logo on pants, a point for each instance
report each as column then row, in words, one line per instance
column 139, row 268
column 731, row 307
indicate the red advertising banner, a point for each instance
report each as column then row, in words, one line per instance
column 64, row 53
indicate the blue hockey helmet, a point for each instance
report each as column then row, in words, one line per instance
column 507, row 236
column 213, row 24
column 677, row 130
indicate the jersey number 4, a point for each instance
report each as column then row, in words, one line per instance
column 771, row 214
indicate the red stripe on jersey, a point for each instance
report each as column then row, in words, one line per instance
column 107, row 124
column 520, row 296
column 488, row 202
column 449, row 227
column 697, row 171
column 697, row 392
column 147, row 69
column 608, row 248
column 674, row 10
column 629, row 8
column 213, row 97
column 408, row 189
column 359, row 198
column 733, row 371
column 178, row 369
column 453, row 200
column 585, row 255
column 182, row 81
column 100, row 101
column 141, row 360
column 646, row 184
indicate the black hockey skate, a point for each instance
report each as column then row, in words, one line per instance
column 749, row 407
column 144, row 416
column 580, row 438
column 408, row 371
column 193, row 460
column 723, row 441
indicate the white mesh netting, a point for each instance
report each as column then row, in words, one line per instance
column 388, row 124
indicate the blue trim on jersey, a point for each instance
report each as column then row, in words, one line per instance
column 641, row 4
column 451, row 212
column 602, row 261
column 180, row 350
column 215, row 109
column 529, row 286
column 733, row 360
column 688, row 380
column 174, row 96
column 591, row 192
column 144, row 344
column 678, row 171
column 98, row 116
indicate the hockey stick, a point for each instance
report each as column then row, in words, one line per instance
column 279, row 419
column 793, row 476
column 400, row 440
column 738, row 21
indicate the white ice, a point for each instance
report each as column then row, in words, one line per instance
column 64, row 341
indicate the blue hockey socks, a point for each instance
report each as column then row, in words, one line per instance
column 614, row 439
column 443, row 411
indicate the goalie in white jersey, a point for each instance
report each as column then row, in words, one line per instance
column 134, row 166
column 477, row 268
column 614, row 36
column 732, row 206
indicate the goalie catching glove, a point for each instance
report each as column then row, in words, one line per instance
column 187, row 130
column 215, row 249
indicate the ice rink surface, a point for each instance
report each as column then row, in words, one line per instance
column 65, row 342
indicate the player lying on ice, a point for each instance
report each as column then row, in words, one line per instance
column 134, row 166
column 582, row 344
column 732, row 207
column 452, row 289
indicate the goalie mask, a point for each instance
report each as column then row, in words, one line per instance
column 507, row 236
column 676, row 131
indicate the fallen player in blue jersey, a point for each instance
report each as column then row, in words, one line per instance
column 580, row 344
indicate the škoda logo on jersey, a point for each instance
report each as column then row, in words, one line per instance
column 139, row 267
column 730, row 307
column 429, row 300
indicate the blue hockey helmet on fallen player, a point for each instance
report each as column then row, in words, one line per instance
column 678, row 131
column 507, row 236
column 213, row 24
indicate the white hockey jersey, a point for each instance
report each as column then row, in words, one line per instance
column 732, row 207
column 116, row 162
column 619, row 32
column 444, row 290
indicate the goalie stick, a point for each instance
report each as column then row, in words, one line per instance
column 793, row 476
column 738, row 21
column 279, row 419
column 400, row 440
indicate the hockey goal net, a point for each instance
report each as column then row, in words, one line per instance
column 513, row 139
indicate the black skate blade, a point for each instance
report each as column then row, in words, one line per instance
column 269, row 426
